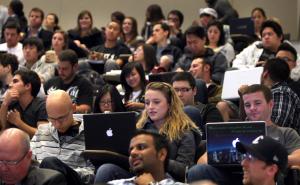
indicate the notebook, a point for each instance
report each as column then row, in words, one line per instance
column 242, row 26
column 222, row 138
column 109, row 131
column 235, row 78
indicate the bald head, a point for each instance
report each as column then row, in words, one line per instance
column 59, row 98
column 15, row 138
column 60, row 110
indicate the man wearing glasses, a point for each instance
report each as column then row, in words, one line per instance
column 264, row 161
column 185, row 87
column 16, row 166
column 289, row 54
column 59, row 144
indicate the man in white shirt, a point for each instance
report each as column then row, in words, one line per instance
column 12, row 45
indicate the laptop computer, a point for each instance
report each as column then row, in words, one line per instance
column 162, row 77
column 222, row 138
column 235, row 78
column 243, row 26
column 109, row 131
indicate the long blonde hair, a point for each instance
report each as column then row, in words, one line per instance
column 176, row 121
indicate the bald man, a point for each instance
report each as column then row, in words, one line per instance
column 15, row 162
column 59, row 144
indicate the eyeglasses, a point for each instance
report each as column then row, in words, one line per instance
column 12, row 163
column 106, row 102
column 183, row 90
column 59, row 119
column 287, row 59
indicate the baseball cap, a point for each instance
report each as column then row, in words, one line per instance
column 266, row 149
column 208, row 11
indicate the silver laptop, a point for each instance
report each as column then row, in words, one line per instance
column 235, row 78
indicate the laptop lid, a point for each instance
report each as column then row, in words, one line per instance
column 235, row 78
column 162, row 77
column 243, row 26
column 109, row 131
column 222, row 138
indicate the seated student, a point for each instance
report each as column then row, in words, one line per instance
column 33, row 49
column 12, row 45
column 84, row 36
column 216, row 41
column 51, row 22
column 16, row 164
column 78, row 87
column 202, row 70
column 153, row 149
column 108, row 100
column 130, row 31
column 134, row 82
column 145, row 55
column 167, row 55
column 289, row 54
column 265, row 152
column 35, row 29
column 21, row 107
column 59, row 43
column 206, row 15
column 185, row 87
column 59, row 144
column 111, row 50
column 195, row 43
column 260, row 51
column 8, row 65
column 258, row 104
column 286, row 110
column 175, row 20
column 258, row 16
column 163, row 114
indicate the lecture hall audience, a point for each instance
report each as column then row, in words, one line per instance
column 49, row 60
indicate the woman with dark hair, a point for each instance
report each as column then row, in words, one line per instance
column 51, row 22
column 134, row 82
column 258, row 16
column 84, row 36
column 130, row 31
column 145, row 54
column 108, row 100
column 154, row 15
column 16, row 13
column 216, row 40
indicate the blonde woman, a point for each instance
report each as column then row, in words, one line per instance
column 164, row 113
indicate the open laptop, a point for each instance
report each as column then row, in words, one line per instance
column 222, row 138
column 235, row 78
column 244, row 26
column 109, row 131
column 162, row 77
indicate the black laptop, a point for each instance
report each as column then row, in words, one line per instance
column 109, row 131
column 222, row 138
column 244, row 26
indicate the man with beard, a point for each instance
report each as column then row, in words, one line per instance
column 148, row 158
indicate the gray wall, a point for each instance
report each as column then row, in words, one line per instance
column 286, row 10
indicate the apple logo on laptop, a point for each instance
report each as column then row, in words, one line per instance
column 235, row 141
column 109, row 132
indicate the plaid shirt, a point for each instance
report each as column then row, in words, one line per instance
column 286, row 110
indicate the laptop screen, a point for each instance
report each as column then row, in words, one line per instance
column 222, row 138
